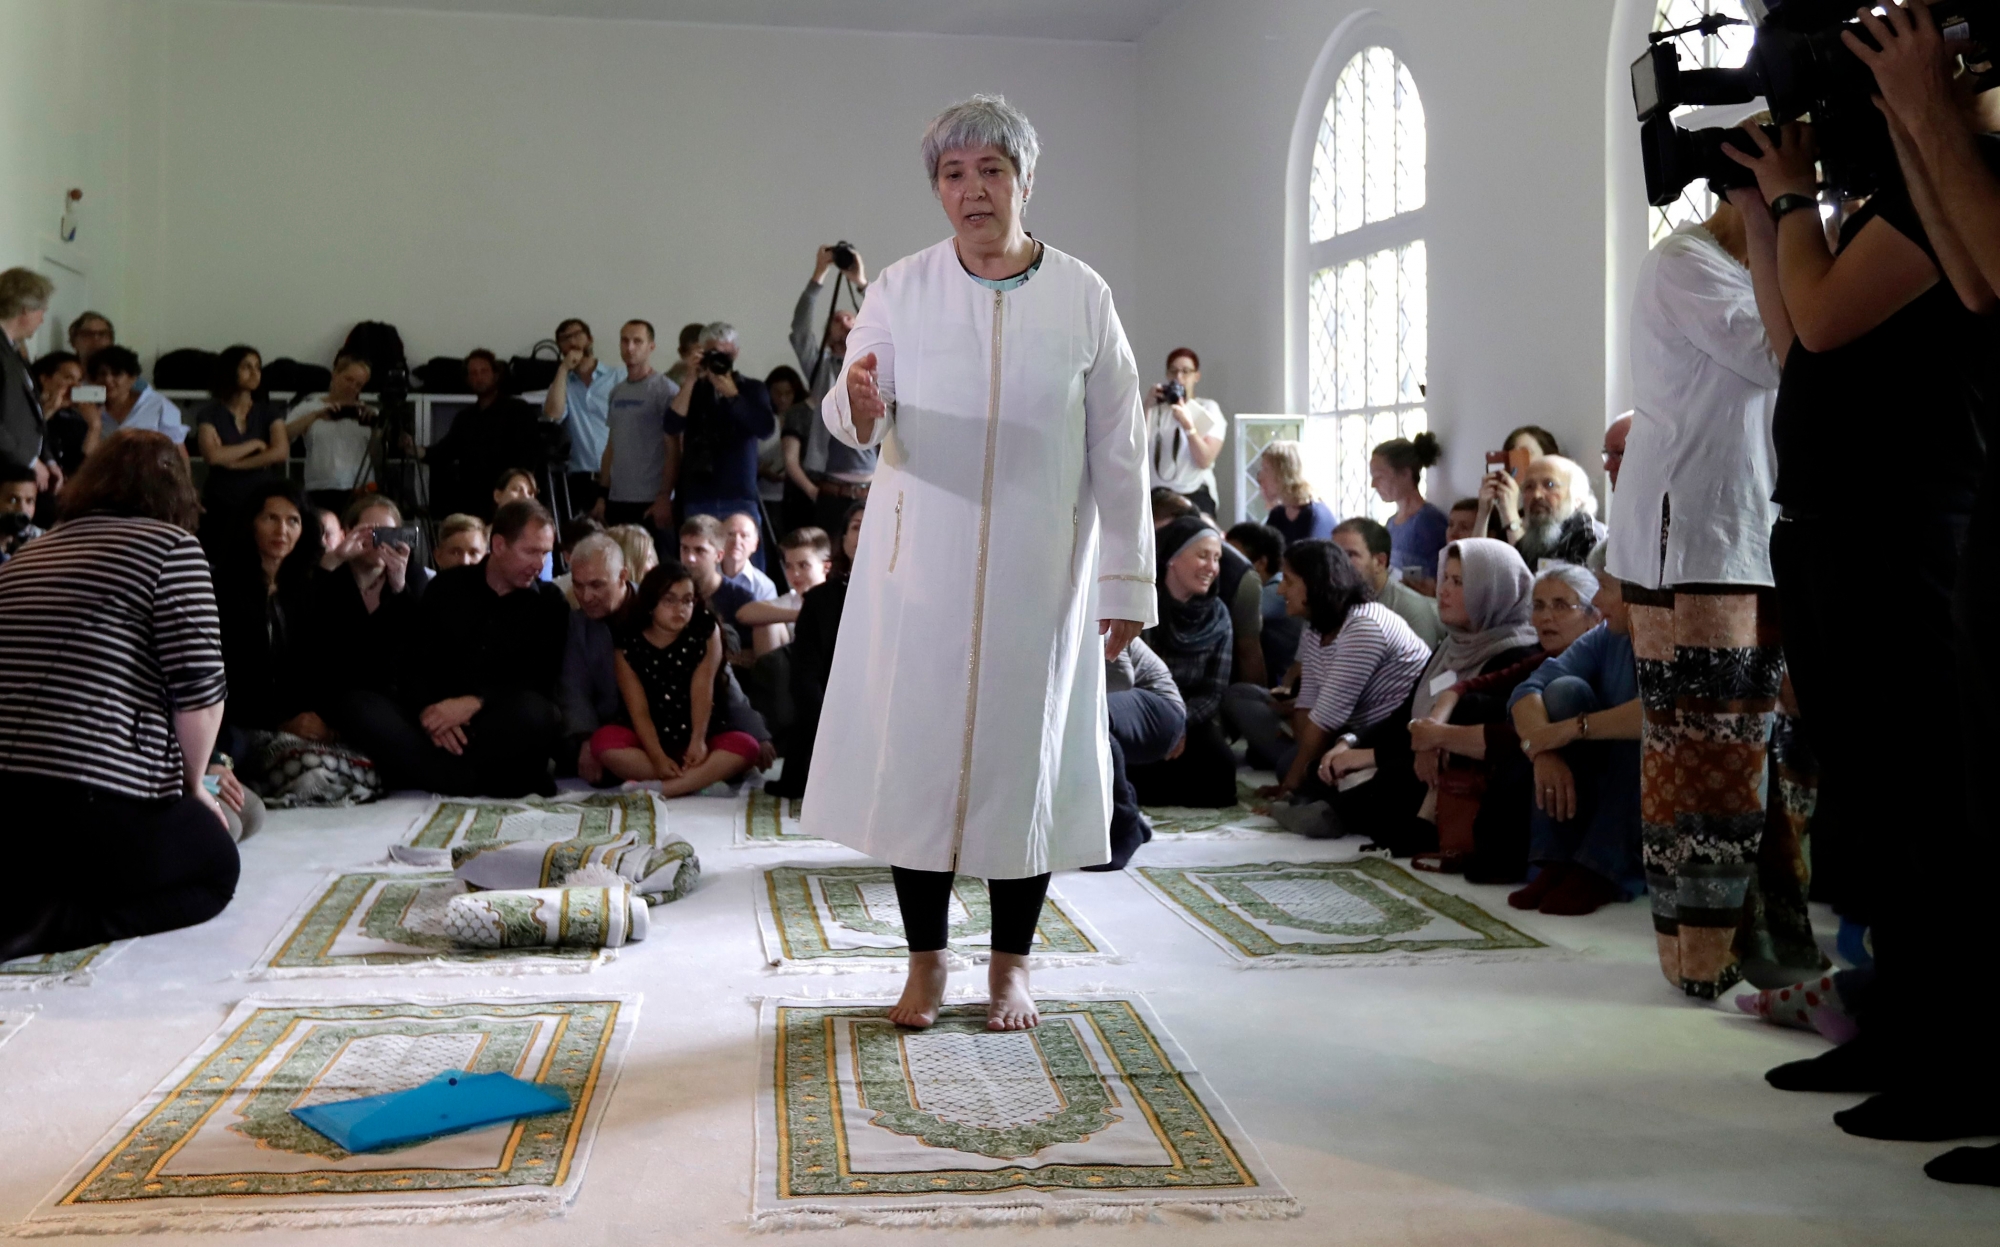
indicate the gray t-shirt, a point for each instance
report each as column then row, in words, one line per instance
column 637, row 415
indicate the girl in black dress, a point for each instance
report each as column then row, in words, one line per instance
column 668, row 664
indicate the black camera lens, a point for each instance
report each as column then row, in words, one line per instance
column 843, row 255
column 717, row 362
column 1173, row 392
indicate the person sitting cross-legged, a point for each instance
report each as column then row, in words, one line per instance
column 670, row 662
column 1368, row 545
column 478, row 714
column 1578, row 716
column 1195, row 640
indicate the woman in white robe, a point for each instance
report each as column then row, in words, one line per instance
column 1008, row 529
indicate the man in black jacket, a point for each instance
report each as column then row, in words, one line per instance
column 496, row 433
column 478, row 715
column 24, row 301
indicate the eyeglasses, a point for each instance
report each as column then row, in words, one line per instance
column 1542, row 607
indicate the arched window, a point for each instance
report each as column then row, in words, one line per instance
column 1365, row 286
column 1727, row 48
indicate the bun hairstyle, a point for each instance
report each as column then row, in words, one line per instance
column 1410, row 454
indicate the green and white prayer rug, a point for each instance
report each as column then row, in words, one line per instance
column 1368, row 911
column 392, row 922
column 215, row 1145
column 597, row 818
column 835, row 919
column 1096, row 1114
column 1233, row 822
column 771, row 820
column 75, row 967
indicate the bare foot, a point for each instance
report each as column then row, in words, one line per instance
column 923, row 992
column 1011, row 1006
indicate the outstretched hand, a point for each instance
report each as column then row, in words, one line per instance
column 1911, row 64
column 1117, row 634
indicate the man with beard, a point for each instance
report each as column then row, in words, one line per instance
column 1558, row 519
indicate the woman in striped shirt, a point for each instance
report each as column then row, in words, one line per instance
column 111, row 694
column 1358, row 664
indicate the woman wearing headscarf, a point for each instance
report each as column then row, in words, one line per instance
column 1484, row 594
column 1480, row 766
column 1194, row 639
column 964, row 719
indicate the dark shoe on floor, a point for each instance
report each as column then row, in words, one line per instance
column 1919, row 1117
column 1531, row 896
column 1482, row 869
column 1972, row 1166
column 1852, row 1067
column 1581, row 892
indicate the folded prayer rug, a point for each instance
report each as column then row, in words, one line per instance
column 840, row 918
column 1095, row 1114
column 597, row 818
column 214, row 1146
column 771, row 820
column 74, row 967
column 1362, row 912
column 663, row 871
column 393, row 922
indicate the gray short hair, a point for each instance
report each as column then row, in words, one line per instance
column 599, row 546
column 1576, row 577
column 718, row 331
column 983, row 121
column 23, row 290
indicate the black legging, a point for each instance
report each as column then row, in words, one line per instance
column 925, row 899
column 154, row 866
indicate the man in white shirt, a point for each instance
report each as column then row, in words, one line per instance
column 1692, row 544
column 739, row 556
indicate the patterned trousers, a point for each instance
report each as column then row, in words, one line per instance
column 1709, row 670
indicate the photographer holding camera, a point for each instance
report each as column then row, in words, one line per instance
column 1184, row 433
column 338, row 428
column 829, row 472
column 1879, row 337
column 717, row 421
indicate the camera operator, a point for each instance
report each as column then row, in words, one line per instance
column 497, row 432
column 1184, row 433
column 580, row 398
column 1692, row 546
column 338, row 428
column 717, row 422
column 1879, row 336
column 831, row 473
column 1941, row 132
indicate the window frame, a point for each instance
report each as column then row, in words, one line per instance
column 1304, row 257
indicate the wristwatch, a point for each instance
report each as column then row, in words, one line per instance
column 1785, row 205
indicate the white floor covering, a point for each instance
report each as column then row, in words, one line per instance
column 1552, row 1103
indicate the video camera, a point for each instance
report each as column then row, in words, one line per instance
column 1801, row 68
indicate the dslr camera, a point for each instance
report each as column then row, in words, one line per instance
column 717, row 362
column 1801, row 68
column 1172, row 392
column 843, row 255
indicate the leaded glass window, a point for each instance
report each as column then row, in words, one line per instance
column 1367, row 322
column 1727, row 48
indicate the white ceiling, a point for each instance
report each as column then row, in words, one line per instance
column 1119, row 21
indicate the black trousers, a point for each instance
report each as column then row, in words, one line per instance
column 1892, row 843
column 1203, row 777
column 507, row 750
column 924, row 896
column 153, row 866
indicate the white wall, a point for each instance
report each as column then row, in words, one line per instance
column 1514, row 99
column 65, row 109
column 474, row 178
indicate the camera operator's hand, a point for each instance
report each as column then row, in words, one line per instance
column 1913, row 69
column 353, row 543
column 1157, row 395
column 1182, row 417
column 822, row 265
column 859, row 273
column 724, row 383
column 1784, row 169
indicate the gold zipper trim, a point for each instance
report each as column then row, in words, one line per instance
column 979, row 586
column 896, row 545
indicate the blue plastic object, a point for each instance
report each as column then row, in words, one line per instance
column 451, row 1102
